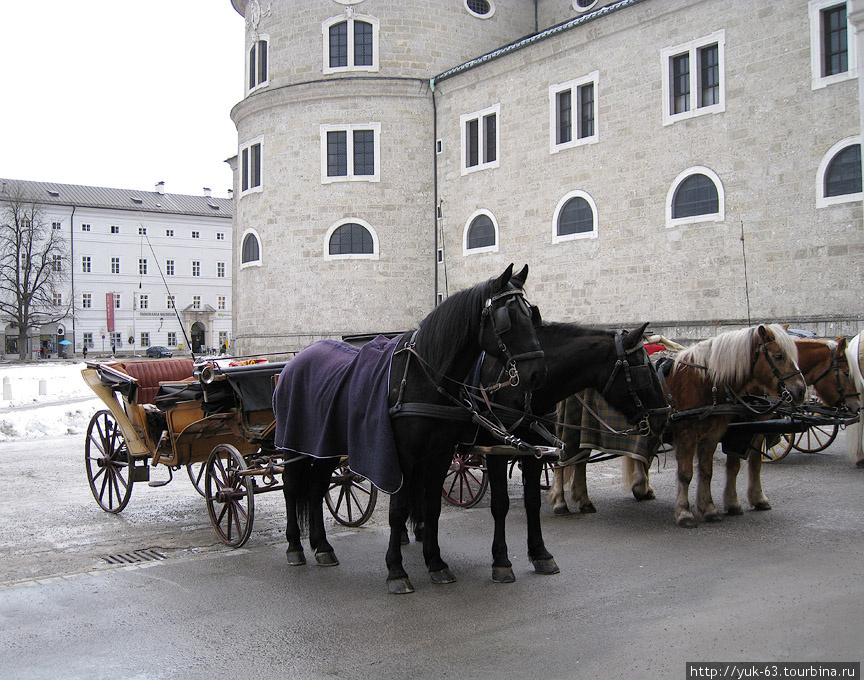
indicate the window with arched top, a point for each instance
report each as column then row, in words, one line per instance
column 250, row 249
column 575, row 217
column 838, row 179
column 696, row 195
column 481, row 233
column 351, row 239
column 350, row 43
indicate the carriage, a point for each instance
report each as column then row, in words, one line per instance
column 215, row 420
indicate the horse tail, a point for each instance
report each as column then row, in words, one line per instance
column 415, row 502
column 628, row 465
column 297, row 479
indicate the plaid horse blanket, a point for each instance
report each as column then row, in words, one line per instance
column 331, row 401
column 581, row 432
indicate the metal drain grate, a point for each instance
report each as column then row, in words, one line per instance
column 136, row 556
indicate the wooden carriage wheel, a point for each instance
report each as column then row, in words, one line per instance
column 780, row 450
column 466, row 481
column 350, row 497
column 108, row 463
column 197, row 472
column 816, row 438
column 230, row 496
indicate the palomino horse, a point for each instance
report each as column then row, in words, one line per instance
column 855, row 432
column 826, row 369
column 425, row 374
column 712, row 373
column 576, row 357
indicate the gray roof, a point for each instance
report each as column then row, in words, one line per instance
column 51, row 193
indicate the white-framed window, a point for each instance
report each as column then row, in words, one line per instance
column 142, row 231
column 351, row 239
column 220, row 302
column 833, row 56
column 143, row 301
column 56, row 226
column 350, row 153
column 480, row 234
column 838, row 179
column 116, row 300
column 86, row 300
column 116, row 338
column 696, row 195
column 250, row 249
column 251, row 166
column 196, row 234
column 480, row 9
column 115, row 265
column 220, row 235
column 350, row 43
column 480, row 139
column 572, row 113
column 196, row 267
column 87, row 339
column 220, row 270
column 575, row 217
column 145, row 339
column 115, row 229
column 85, row 227
column 223, row 339
column 57, row 263
column 172, row 338
column 169, row 302
column 196, row 302
column 142, row 265
column 256, row 64
column 169, row 232
column 169, row 267
column 694, row 78
column 86, row 264
column 57, row 299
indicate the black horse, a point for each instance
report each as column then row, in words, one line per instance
column 426, row 415
column 577, row 357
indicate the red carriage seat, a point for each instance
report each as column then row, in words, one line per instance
column 151, row 372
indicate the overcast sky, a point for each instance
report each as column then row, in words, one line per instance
column 120, row 93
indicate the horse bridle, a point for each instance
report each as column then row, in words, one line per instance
column 638, row 377
column 499, row 318
column 785, row 394
column 834, row 367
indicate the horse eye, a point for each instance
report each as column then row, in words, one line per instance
column 778, row 357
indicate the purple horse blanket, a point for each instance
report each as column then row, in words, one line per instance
column 331, row 400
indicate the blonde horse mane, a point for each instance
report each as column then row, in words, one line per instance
column 728, row 357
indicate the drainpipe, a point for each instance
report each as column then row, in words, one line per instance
column 434, row 188
column 72, row 274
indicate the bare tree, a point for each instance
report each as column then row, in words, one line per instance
column 33, row 264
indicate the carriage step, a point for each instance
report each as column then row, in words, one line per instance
column 161, row 482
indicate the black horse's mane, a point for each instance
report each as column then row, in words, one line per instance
column 558, row 329
column 453, row 324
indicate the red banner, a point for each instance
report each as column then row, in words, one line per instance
column 109, row 311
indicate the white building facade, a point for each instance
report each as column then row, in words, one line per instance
column 692, row 163
column 144, row 268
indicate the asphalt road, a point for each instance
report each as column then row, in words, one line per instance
column 637, row 597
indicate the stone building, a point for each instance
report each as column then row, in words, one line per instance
column 693, row 163
column 142, row 267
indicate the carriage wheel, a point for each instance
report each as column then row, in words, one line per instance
column 108, row 463
column 197, row 472
column 547, row 476
column 466, row 481
column 230, row 496
column 350, row 497
column 780, row 450
column 816, row 438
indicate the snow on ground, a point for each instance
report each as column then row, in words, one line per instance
column 65, row 408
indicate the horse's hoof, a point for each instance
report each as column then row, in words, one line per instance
column 587, row 509
column 326, row 559
column 560, row 510
column 404, row 540
column 545, row 567
column 296, row 558
column 713, row 517
column 442, row 576
column 763, row 505
column 734, row 510
column 686, row 522
column 860, row 463
column 647, row 496
column 503, row 575
column 399, row 586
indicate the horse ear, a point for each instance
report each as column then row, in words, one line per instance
column 764, row 333
column 518, row 280
column 841, row 345
column 499, row 283
column 785, row 326
column 634, row 337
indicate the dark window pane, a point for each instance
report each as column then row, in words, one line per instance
column 490, row 142
column 472, row 156
column 565, row 124
column 255, row 166
column 252, row 68
column 709, row 64
column 262, row 61
column 843, row 175
column 337, row 154
column 362, row 43
column 244, row 169
column 479, row 6
column 350, row 239
column 696, row 195
column 364, row 152
column 576, row 217
column 339, row 45
column 681, row 83
column 586, row 111
column 250, row 249
column 481, row 233
column 835, row 49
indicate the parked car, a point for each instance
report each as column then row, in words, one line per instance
column 157, row 351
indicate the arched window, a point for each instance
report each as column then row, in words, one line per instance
column 481, row 233
column 838, row 179
column 250, row 252
column 575, row 217
column 696, row 195
column 351, row 239
column 350, row 44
